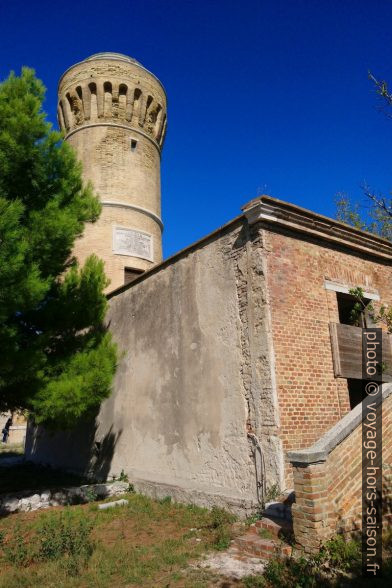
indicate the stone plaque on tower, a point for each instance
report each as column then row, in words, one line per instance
column 132, row 242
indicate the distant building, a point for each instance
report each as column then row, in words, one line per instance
column 17, row 431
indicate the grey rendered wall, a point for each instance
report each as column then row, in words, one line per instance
column 193, row 413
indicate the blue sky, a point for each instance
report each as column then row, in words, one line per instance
column 264, row 95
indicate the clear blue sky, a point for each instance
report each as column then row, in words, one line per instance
column 267, row 95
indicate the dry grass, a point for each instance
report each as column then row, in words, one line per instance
column 147, row 543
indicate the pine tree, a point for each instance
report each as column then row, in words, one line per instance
column 57, row 360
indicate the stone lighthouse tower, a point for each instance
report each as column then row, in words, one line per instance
column 113, row 112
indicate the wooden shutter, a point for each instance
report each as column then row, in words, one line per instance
column 346, row 342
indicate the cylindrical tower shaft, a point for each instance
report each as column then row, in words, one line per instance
column 113, row 112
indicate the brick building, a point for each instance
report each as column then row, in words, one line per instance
column 240, row 368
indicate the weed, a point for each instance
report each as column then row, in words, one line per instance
column 274, row 572
column 341, row 554
column 165, row 500
column 221, row 521
column 222, row 539
column 256, row 516
column 220, row 517
column 90, row 495
column 272, row 493
column 265, row 534
column 254, row 582
column 16, row 551
column 122, row 477
column 292, row 573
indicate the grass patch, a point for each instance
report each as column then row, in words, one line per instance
column 146, row 543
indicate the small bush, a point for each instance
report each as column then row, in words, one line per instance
column 341, row 554
column 275, row 572
column 220, row 517
column 67, row 535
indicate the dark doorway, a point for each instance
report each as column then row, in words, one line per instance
column 356, row 391
column 131, row 274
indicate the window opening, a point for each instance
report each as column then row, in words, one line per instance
column 131, row 273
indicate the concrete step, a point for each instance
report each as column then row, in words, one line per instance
column 251, row 544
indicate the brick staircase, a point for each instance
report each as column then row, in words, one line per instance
column 270, row 536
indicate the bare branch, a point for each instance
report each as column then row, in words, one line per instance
column 380, row 202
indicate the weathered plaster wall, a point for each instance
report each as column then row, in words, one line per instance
column 193, row 413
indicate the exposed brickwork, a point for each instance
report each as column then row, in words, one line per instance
column 328, row 494
column 311, row 399
column 266, row 538
column 247, row 253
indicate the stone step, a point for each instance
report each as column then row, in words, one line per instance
column 252, row 545
column 278, row 528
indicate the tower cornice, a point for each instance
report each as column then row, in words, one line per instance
column 110, row 88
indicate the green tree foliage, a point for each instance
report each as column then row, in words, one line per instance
column 375, row 216
column 56, row 358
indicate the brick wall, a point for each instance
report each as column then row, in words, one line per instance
column 329, row 492
column 311, row 399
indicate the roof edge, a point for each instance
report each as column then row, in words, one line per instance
column 175, row 256
column 278, row 212
column 273, row 211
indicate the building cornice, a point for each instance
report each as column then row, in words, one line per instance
column 115, row 125
column 119, row 204
column 274, row 212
